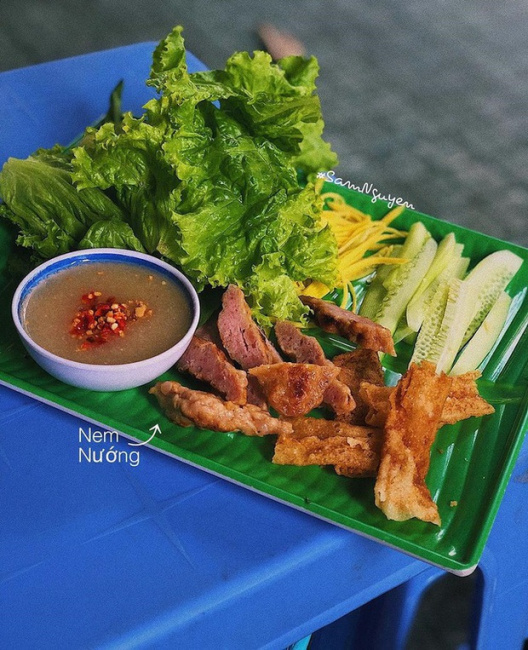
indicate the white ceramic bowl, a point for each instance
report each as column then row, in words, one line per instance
column 103, row 377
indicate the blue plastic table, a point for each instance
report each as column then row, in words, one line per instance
column 159, row 554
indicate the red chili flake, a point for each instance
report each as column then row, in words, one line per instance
column 97, row 322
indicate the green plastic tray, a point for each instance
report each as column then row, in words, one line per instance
column 471, row 462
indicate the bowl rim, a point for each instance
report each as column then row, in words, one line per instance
column 119, row 252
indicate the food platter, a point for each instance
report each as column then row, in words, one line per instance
column 471, row 462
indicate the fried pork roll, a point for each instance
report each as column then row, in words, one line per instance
column 306, row 349
column 294, row 389
column 414, row 418
column 353, row 450
column 188, row 407
column 463, row 401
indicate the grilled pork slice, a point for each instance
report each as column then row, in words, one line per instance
column 357, row 366
column 209, row 332
column 188, row 407
column 306, row 349
column 255, row 395
column 205, row 361
column 294, row 389
column 463, row 401
column 242, row 338
column 414, row 418
column 360, row 365
column 244, row 341
column 353, row 450
column 359, row 329
column 298, row 346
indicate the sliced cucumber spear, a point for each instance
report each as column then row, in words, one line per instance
column 454, row 323
column 485, row 337
column 376, row 291
column 465, row 302
column 488, row 279
column 429, row 299
column 387, row 276
column 412, row 320
column 446, row 321
column 402, row 283
column 456, row 269
column 417, row 236
column 447, row 251
column 404, row 333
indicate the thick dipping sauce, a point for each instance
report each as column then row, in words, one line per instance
column 53, row 306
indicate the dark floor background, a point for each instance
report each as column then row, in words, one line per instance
column 425, row 99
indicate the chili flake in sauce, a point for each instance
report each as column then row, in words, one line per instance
column 97, row 322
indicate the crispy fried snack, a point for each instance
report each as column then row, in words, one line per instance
column 320, row 428
column 462, row 402
column 357, row 366
column 294, row 389
column 354, row 450
column 376, row 399
column 306, row 349
column 188, row 407
column 414, row 418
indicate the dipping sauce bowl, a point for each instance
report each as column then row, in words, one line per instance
column 99, row 373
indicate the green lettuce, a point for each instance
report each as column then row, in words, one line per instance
column 52, row 215
column 207, row 177
column 111, row 234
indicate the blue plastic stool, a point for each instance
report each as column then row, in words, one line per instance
column 500, row 605
column 501, row 619
column 500, row 608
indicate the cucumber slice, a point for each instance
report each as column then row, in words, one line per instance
column 423, row 349
column 488, row 279
column 456, row 269
column 460, row 266
column 373, row 297
column 404, row 333
column 413, row 244
column 445, row 255
column 376, row 291
column 441, row 335
column 404, row 282
column 459, row 310
column 416, row 238
column 485, row 337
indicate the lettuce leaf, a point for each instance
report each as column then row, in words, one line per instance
column 111, row 234
column 207, row 177
column 53, row 216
